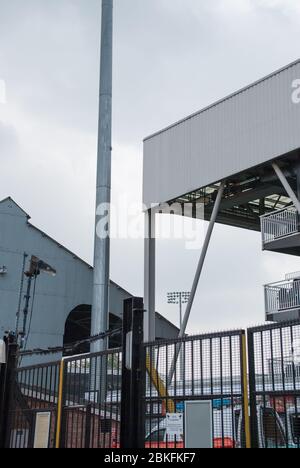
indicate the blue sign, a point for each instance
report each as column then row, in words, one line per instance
column 180, row 407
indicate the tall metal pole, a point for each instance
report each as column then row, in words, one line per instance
column 100, row 314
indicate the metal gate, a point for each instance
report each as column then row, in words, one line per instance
column 77, row 402
column 209, row 368
column 34, row 395
column 274, row 380
column 91, row 401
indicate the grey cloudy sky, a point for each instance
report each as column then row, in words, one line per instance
column 171, row 58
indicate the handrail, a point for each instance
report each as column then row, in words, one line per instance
column 279, row 224
column 284, row 295
column 267, row 215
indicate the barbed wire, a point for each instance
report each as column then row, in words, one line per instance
column 71, row 346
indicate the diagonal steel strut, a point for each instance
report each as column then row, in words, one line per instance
column 287, row 186
column 197, row 277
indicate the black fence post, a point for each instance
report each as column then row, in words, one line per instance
column 7, row 388
column 88, row 422
column 3, row 368
column 133, row 376
column 252, row 392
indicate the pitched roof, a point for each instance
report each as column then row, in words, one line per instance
column 9, row 199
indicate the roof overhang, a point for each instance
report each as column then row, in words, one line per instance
column 236, row 139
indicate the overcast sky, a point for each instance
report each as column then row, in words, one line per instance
column 171, row 58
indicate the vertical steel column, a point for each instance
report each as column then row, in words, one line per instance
column 100, row 314
column 149, row 276
column 197, row 276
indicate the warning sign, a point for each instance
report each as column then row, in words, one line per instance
column 174, row 425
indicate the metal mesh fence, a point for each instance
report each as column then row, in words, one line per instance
column 92, row 401
column 274, row 364
column 208, row 368
column 81, row 399
column 35, row 391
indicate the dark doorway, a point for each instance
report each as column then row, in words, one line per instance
column 78, row 328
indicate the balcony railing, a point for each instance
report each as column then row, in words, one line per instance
column 282, row 296
column 281, row 223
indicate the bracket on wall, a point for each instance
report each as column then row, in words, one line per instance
column 3, row 270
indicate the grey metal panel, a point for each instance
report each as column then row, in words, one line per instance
column 198, row 425
column 247, row 129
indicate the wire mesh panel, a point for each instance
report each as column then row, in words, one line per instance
column 202, row 368
column 274, row 365
column 92, row 401
column 34, row 392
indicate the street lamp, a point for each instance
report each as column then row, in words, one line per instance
column 179, row 298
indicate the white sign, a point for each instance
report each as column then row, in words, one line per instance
column 174, row 425
column 42, row 430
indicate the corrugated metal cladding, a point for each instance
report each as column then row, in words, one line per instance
column 247, row 129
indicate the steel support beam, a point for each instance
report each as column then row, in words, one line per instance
column 287, row 186
column 149, row 276
column 198, row 275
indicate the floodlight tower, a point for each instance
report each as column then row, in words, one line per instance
column 180, row 298
column 100, row 314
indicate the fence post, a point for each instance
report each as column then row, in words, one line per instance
column 133, row 377
column 60, row 408
column 252, row 391
column 246, row 391
column 7, row 388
